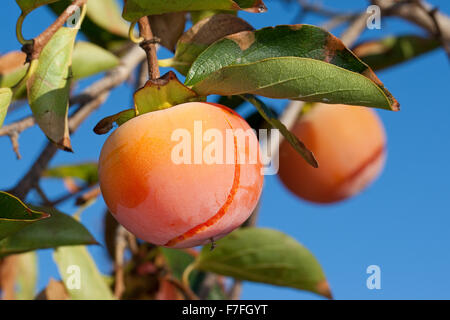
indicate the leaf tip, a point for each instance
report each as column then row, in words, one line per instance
column 323, row 288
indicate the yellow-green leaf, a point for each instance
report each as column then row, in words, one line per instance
column 89, row 59
column 106, row 14
column 49, row 87
column 5, row 99
column 29, row 5
column 80, row 275
column 86, row 172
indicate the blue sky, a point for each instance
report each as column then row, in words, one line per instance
column 400, row 223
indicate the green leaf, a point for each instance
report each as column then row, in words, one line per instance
column 162, row 93
column 200, row 36
column 92, row 30
column 390, row 51
column 299, row 62
column 135, row 9
column 15, row 215
column 265, row 255
column 5, row 99
column 86, row 172
column 92, row 285
column 58, row 230
column 106, row 14
column 49, row 88
column 27, row 275
column 29, row 5
column 178, row 260
column 273, row 120
column 106, row 124
column 90, row 59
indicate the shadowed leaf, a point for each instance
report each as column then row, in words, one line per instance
column 265, row 255
column 5, row 99
column 201, row 35
column 15, row 215
column 49, row 86
column 135, row 9
column 388, row 52
column 29, row 5
column 58, row 230
column 89, row 59
column 168, row 28
column 86, row 172
column 92, row 285
column 298, row 62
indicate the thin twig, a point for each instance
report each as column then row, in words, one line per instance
column 120, row 247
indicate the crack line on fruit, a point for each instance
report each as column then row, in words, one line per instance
column 221, row 212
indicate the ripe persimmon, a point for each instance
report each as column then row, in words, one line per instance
column 349, row 144
column 173, row 203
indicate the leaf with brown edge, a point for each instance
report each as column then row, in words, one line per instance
column 384, row 53
column 106, row 124
column 15, row 215
column 297, row 62
column 168, row 28
column 12, row 68
column 266, row 256
column 272, row 119
column 135, row 9
column 162, row 93
column 201, row 35
column 49, row 88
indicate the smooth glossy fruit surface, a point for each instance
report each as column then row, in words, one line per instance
column 348, row 142
column 179, row 204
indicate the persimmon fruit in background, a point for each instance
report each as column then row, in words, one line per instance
column 178, row 204
column 348, row 142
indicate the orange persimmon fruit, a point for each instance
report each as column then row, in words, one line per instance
column 180, row 204
column 349, row 144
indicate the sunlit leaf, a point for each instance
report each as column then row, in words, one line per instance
column 12, row 68
column 390, row 51
column 162, row 93
column 49, row 86
column 89, row 59
column 58, row 230
column 86, row 172
column 29, row 5
column 5, row 99
column 106, row 14
column 27, row 275
column 298, row 62
column 265, row 255
column 135, row 9
column 201, row 35
column 73, row 261
column 15, row 215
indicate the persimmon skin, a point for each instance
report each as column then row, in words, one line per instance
column 349, row 144
column 177, row 205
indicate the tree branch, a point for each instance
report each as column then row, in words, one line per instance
column 149, row 46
